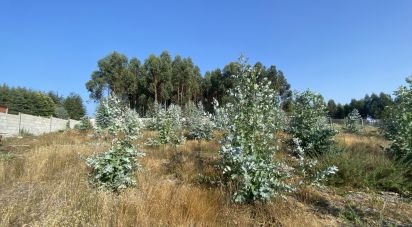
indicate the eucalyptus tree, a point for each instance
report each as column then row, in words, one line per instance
column 398, row 124
column 247, row 151
column 353, row 121
column 309, row 123
column 114, row 169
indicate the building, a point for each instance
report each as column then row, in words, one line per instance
column 4, row 109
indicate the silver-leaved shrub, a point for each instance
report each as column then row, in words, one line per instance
column 220, row 117
column 113, row 170
column 199, row 124
column 169, row 123
column 85, row 124
column 309, row 124
column 353, row 121
column 248, row 148
column 398, row 124
column 305, row 169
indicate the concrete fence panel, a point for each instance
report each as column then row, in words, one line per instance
column 12, row 125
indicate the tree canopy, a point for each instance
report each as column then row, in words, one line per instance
column 165, row 79
column 23, row 100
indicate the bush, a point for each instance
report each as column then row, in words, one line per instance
column 198, row 123
column 353, row 121
column 250, row 142
column 169, row 123
column 221, row 117
column 61, row 112
column 365, row 166
column 113, row 170
column 398, row 124
column 306, row 168
column 309, row 124
column 103, row 116
column 85, row 124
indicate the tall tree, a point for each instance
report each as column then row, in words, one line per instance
column 74, row 106
column 332, row 108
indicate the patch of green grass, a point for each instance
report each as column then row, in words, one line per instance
column 365, row 166
column 6, row 156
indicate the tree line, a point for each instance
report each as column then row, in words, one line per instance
column 165, row 79
column 23, row 100
column 370, row 106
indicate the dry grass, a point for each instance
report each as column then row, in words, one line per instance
column 46, row 184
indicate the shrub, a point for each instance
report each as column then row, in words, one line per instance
column 85, row 124
column 250, row 142
column 103, row 116
column 353, row 121
column 169, row 123
column 306, row 167
column 309, row 124
column 113, row 170
column 221, row 117
column 398, row 124
column 61, row 112
column 363, row 165
column 198, row 122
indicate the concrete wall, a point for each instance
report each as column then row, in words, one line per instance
column 11, row 125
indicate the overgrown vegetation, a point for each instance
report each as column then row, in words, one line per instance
column 114, row 168
column 398, row 124
column 251, row 165
column 353, row 121
column 364, row 165
column 169, row 123
column 198, row 123
column 85, row 124
column 247, row 150
column 309, row 124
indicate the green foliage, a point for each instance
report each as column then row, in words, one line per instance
column 372, row 106
column 170, row 125
column 353, row 121
column 221, row 117
column 309, row 124
column 74, row 106
column 85, row 124
column 26, row 101
column 250, row 143
column 365, row 166
column 114, row 169
column 164, row 79
column 306, row 167
column 198, row 123
column 103, row 115
column 398, row 124
column 61, row 112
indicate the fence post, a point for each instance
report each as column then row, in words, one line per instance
column 51, row 121
column 19, row 123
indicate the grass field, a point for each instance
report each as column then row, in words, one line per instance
column 44, row 182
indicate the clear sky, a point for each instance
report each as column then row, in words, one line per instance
column 342, row 49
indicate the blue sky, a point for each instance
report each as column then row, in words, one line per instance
column 342, row 49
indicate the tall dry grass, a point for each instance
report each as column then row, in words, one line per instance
column 45, row 183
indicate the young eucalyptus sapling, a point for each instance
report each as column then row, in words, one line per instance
column 198, row 123
column 113, row 170
column 247, row 152
column 309, row 124
column 169, row 123
column 398, row 124
column 353, row 121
